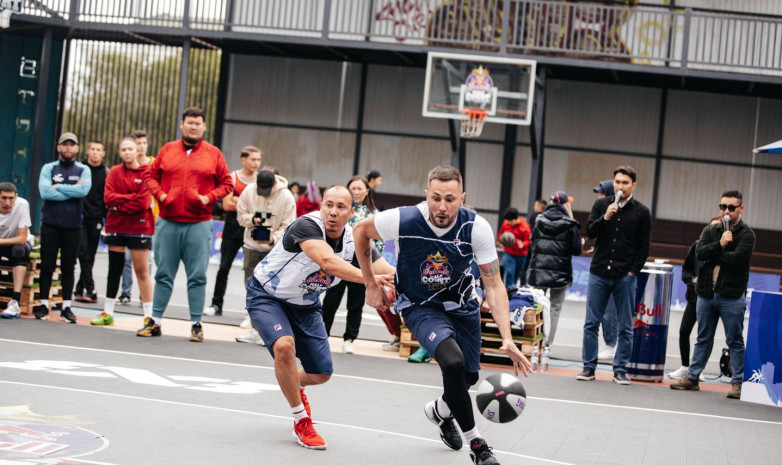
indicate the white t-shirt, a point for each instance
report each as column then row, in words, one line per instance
column 387, row 225
column 18, row 218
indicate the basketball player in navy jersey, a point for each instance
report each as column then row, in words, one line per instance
column 283, row 300
column 437, row 243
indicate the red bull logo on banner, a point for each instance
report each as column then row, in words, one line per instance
column 318, row 281
column 436, row 272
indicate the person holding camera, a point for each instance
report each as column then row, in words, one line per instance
column 264, row 209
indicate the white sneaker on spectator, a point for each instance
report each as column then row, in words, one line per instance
column 11, row 311
column 392, row 345
column 209, row 311
column 679, row 374
column 607, row 354
column 347, row 347
column 251, row 337
column 246, row 323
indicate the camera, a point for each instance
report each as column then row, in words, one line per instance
column 261, row 232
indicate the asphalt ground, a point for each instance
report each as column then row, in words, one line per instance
column 81, row 394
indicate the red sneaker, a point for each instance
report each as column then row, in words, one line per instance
column 306, row 435
column 305, row 402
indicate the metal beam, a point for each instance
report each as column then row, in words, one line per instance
column 659, row 152
column 362, row 97
column 183, row 72
column 537, row 133
column 508, row 162
column 36, row 160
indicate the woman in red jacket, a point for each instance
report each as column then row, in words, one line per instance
column 129, row 223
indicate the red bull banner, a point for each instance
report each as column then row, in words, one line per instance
column 650, row 322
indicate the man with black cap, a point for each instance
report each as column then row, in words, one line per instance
column 232, row 232
column 63, row 184
column 264, row 209
column 374, row 179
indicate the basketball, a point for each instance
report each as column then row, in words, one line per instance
column 501, row 398
column 507, row 239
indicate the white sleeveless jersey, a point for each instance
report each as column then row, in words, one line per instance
column 294, row 276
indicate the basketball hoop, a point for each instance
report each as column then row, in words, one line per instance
column 5, row 18
column 473, row 124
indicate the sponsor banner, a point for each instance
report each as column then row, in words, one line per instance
column 217, row 239
column 762, row 383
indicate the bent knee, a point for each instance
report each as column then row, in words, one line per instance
column 319, row 378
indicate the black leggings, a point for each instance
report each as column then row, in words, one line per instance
column 116, row 263
column 685, row 329
column 456, row 381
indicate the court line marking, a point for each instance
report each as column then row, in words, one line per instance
column 266, row 415
column 400, row 383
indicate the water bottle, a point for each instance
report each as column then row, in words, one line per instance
column 544, row 360
column 535, row 359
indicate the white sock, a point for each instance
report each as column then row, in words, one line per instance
column 157, row 321
column 299, row 412
column 147, row 307
column 472, row 434
column 66, row 304
column 442, row 408
column 108, row 307
column 45, row 303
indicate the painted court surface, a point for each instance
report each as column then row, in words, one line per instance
column 79, row 394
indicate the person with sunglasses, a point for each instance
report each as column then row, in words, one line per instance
column 725, row 248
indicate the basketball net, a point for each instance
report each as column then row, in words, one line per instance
column 5, row 18
column 473, row 124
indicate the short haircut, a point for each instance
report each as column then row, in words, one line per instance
column 138, row 134
column 269, row 168
column 194, row 113
column 541, row 202
column 735, row 195
column 248, row 150
column 7, row 187
column 511, row 214
column 373, row 174
column 97, row 142
column 127, row 139
column 445, row 174
column 626, row 170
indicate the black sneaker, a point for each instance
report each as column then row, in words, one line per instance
column 587, row 375
column 40, row 312
column 449, row 433
column 481, row 453
column 67, row 315
column 91, row 298
column 124, row 299
column 621, row 378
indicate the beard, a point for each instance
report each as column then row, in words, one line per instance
column 190, row 140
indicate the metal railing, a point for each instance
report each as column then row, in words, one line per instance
column 658, row 36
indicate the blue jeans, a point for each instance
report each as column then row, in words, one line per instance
column 599, row 289
column 708, row 311
column 191, row 244
column 609, row 323
column 513, row 265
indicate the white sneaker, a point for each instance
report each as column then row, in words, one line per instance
column 347, row 347
column 392, row 345
column 246, row 323
column 209, row 311
column 607, row 354
column 11, row 311
column 679, row 374
column 251, row 337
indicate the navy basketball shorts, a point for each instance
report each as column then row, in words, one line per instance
column 431, row 326
column 274, row 318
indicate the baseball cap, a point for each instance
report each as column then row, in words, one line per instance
column 265, row 182
column 605, row 187
column 68, row 136
column 561, row 197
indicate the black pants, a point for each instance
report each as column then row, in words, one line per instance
column 689, row 318
column 65, row 242
column 88, row 246
column 229, row 246
column 356, row 297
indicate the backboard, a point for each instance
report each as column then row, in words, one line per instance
column 457, row 83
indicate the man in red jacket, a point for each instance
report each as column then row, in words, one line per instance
column 187, row 177
column 513, row 257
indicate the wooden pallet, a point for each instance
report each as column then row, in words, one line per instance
column 30, row 297
column 407, row 343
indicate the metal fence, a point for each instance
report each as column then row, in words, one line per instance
column 115, row 88
column 658, row 36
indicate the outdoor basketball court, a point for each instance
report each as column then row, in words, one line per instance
column 80, row 394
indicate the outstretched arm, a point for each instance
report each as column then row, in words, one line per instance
column 362, row 233
column 497, row 299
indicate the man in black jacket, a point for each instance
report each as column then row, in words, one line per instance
column 725, row 250
column 555, row 239
column 622, row 227
column 94, row 215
